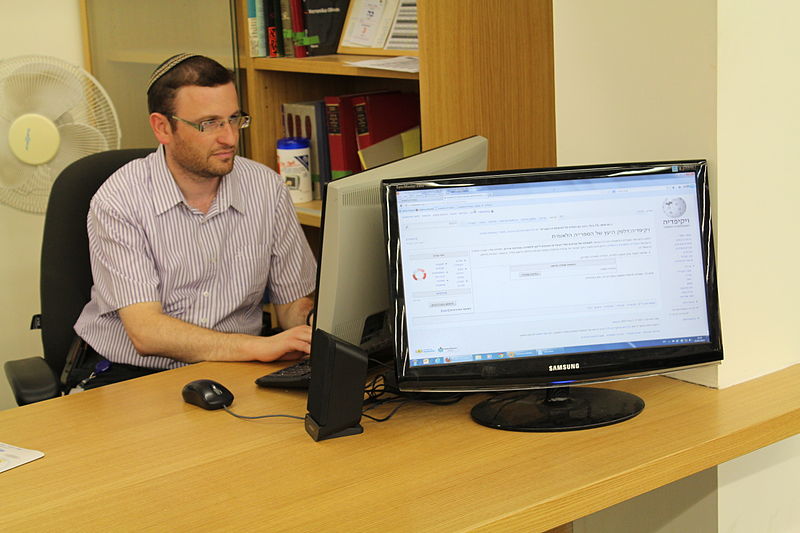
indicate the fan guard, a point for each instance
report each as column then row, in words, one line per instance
column 51, row 114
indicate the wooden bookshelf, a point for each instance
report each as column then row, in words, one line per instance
column 333, row 64
column 482, row 72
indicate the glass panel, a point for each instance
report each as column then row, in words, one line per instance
column 127, row 40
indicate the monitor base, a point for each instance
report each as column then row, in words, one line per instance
column 557, row 409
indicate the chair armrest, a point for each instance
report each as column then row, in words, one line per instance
column 32, row 380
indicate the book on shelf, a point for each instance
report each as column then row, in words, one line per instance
column 274, row 31
column 256, row 28
column 280, row 28
column 286, row 27
column 396, row 147
column 342, row 143
column 381, row 115
column 308, row 119
column 324, row 20
column 298, row 28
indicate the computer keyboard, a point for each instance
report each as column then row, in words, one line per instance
column 296, row 376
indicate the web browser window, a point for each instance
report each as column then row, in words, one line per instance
column 580, row 265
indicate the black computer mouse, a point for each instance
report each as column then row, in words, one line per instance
column 207, row 394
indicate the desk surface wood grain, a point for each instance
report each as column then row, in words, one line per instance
column 134, row 456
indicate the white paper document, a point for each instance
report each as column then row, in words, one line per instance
column 11, row 456
column 400, row 64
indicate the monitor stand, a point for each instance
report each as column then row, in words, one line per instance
column 557, row 409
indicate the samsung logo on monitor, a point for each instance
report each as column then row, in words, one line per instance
column 568, row 366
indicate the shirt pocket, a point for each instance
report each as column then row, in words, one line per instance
column 249, row 271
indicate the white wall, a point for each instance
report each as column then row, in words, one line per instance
column 635, row 80
column 758, row 139
column 48, row 27
column 758, row 142
column 641, row 80
column 691, row 508
column 758, row 492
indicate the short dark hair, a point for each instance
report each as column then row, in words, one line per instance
column 195, row 70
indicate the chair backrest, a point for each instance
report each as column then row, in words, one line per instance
column 66, row 274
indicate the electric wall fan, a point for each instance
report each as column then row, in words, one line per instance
column 51, row 114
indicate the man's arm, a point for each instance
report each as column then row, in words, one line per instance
column 294, row 313
column 154, row 333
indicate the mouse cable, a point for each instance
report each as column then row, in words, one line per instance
column 262, row 416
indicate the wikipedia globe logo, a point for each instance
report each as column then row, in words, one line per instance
column 674, row 207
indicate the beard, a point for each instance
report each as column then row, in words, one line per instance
column 202, row 164
column 207, row 167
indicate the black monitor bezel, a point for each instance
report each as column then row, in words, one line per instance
column 544, row 371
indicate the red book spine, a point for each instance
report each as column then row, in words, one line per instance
column 380, row 116
column 274, row 28
column 341, row 136
column 272, row 41
column 298, row 26
column 364, row 136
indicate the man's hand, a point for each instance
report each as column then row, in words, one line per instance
column 288, row 345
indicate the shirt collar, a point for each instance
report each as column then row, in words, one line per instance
column 167, row 194
column 229, row 193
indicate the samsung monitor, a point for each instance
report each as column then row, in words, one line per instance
column 352, row 296
column 543, row 279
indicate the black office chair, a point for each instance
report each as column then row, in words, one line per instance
column 66, row 275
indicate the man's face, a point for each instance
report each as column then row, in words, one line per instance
column 207, row 154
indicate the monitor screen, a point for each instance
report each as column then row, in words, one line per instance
column 352, row 295
column 546, row 278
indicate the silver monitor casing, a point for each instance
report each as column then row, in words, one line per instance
column 353, row 281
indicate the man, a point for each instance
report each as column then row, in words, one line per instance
column 184, row 241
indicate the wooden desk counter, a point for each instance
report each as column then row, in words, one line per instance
column 134, row 456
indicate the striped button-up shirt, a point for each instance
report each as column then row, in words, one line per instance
column 208, row 269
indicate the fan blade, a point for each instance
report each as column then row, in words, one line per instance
column 46, row 88
column 77, row 141
column 32, row 195
column 96, row 110
column 13, row 172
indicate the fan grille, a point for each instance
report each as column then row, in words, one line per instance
column 64, row 94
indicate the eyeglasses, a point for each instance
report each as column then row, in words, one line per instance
column 237, row 122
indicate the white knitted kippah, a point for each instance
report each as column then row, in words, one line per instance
column 166, row 66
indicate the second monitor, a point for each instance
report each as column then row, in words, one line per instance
column 352, row 284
